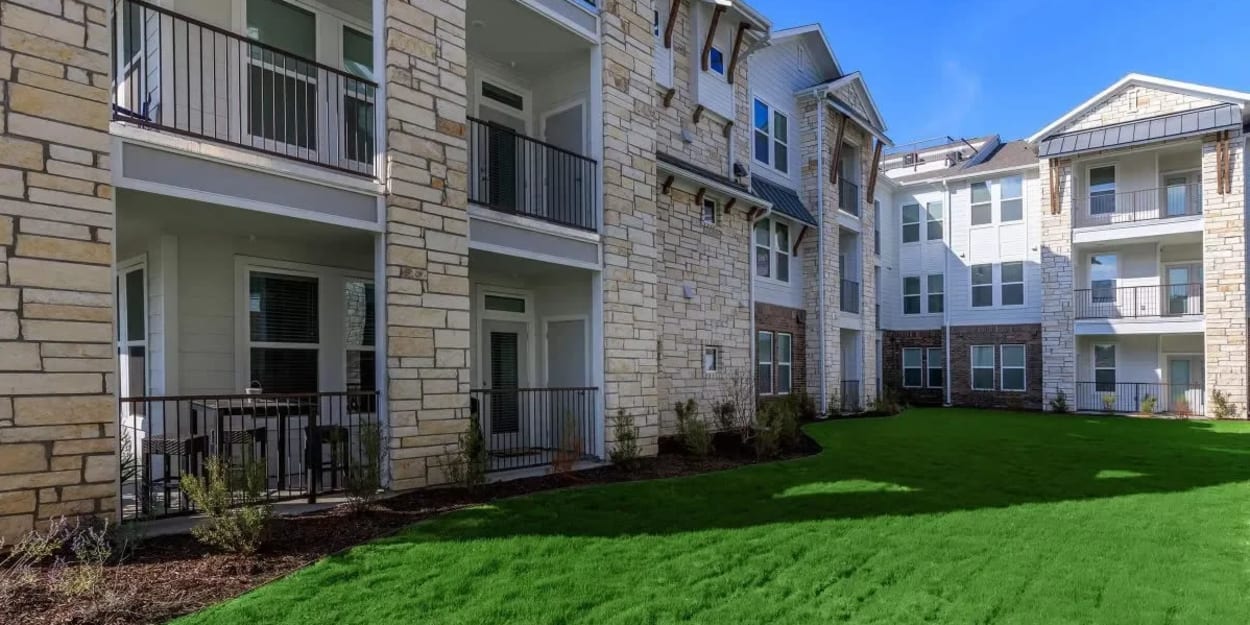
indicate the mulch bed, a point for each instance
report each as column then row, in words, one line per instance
column 170, row 576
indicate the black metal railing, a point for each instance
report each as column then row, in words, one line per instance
column 851, row 401
column 178, row 74
column 848, row 196
column 308, row 443
column 1099, row 209
column 849, row 296
column 1128, row 302
column 533, row 427
column 513, row 173
column 1141, row 397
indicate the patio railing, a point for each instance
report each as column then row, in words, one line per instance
column 1137, row 397
column 1099, row 209
column 848, row 196
column 533, row 427
column 308, row 444
column 178, row 74
column 1127, row 302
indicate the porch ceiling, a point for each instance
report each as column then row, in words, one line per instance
column 520, row 269
column 508, row 32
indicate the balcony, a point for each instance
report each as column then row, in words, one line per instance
column 533, row 427
column 1141, row 398
column 849, row 296
column 1135, row 302
column 1129, row 207
column 179, row 75
column 848, row 196
column 519, row 175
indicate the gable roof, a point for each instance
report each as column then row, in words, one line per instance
column 851, row 96
column 1141, row 80
column 814, row 36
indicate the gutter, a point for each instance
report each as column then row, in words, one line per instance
column 946, row 309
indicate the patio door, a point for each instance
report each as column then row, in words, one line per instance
column 132, row 340
column 506, row 371
column 282, row 90
column 502, row 170
column 1184, row 289
column 1184, row 383
column 563, row 185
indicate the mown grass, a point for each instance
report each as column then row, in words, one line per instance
column 935, row 516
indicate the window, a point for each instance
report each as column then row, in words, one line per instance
column 936, row 357
column 911, row 223
column 764, row 356
column 1012, row 288
column 282, row 102
column 716, row 61
column 937, row 290
column 1011, row 199
column 784, row 362
column 503, row 303
column 711, row 359
column 1102, row 190
column 655, row 23
column 772, row 145
column 132, row 337
column 876, row 227
column 358, row 100
column 982, row 367
column 934, row 210
column 1104, row 368
column 982, row 285
column 982, row 208
column 284, row 336
column 710, row 208
column 911, row 295
column 1103, row 273
column 360, row 334
column 772, row 243
column 1011, row 372
column 913, row 368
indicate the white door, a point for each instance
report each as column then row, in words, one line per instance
column 1184, row 289
column 505, row 411
column 566, row 180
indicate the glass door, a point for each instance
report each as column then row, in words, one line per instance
column 1177, row 193
column 506, row 372
column 1184, row 289
column 282, row 87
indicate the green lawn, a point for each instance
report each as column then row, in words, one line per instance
column 935, row 516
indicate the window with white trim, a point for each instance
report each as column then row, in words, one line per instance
column 764, row 358
column 934, row 225
column 911, row 223
column 1011, row 289
column 1011, row 199
column 1104, row 368
column 982, row 285
column 785, row 355
column 913, row 367
column 711, row 359
column 936, row 360
column 716, row 61
column 1102, row 190
column 360, row 334
column 1011, row 367
column 982, row 367
column 937, row 292
column 1103, row 274
column 132, row 335
column 911, row 295
column 982, row 207
column 772, row 249
column 710, row 208
column 771, row 133
column 284, row 339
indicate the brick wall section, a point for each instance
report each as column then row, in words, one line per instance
column 1224, row 260
column 1058, row 338
column 962, row 340
column 630, row 250
column 892, row 344
column 57, row 409
column 427, row 312
column 712, row 260
column 793, row 321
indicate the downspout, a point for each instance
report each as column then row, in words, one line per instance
column 946, row 309
column 820, row 245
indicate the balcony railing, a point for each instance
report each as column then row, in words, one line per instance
column 848, row 196
column 513, row 173
column 180, row 75
column 850, row 296
column 533, row 427
column 1099, row 209
column 851, row 400
column 307, row 444
column 1130, row 302
column 1141, row 397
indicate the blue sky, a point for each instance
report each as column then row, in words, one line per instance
column 973, row 67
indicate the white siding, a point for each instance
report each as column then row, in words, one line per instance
column 777, row 72
column 663, row 56
column 711, row 90
column 900, row 259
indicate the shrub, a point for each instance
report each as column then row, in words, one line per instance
column 625, row 451
column 364, row 476
column 1181, row 407
column 803, row 406
column 1148, row 404
column 570, row 448
column 692, row 431
column 725, row 416
column 1221, row 407
column 1060, row 402
column 1108, row 402
column 738, row 403
column 467, row 466
column 776, row 426
column 242, row 529
column 18, row 562
column 835, row 404
column 888, row 402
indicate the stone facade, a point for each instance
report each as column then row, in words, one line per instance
column 960, row 374
column 58, row 413
column 630, row 249
column 1224, row 266
column 427, row 262
column 893, row 342
column 1133, row 103
column 792, row 321
column 1058, row 338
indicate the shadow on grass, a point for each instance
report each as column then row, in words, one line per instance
column 923, row 462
